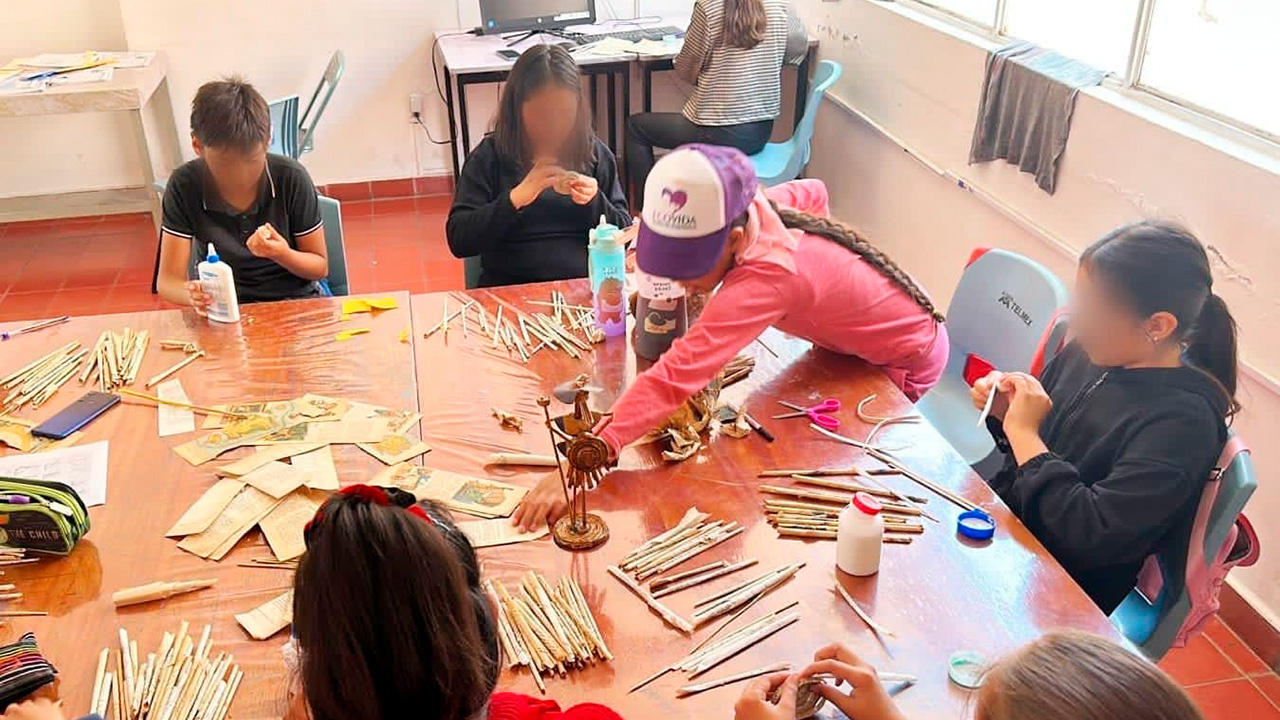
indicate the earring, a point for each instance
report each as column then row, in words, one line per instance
column 1152, row 338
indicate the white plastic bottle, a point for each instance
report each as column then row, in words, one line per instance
column 859, row 536
column 217, row 281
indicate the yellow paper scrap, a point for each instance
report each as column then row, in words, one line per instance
column 404, row 335
column 348, row 334
column 351, row 306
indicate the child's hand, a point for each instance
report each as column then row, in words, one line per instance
column 982, row 389
column 754, row 703
column 200, row 300
column 543, row 504
column 542, row 175
column 267, row 243
column 1029, row 404
column 583, row 189
column 866, row 699
column 37, row 709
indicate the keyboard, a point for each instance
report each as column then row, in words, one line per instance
column 648, row 33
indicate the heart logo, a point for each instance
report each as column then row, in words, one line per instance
column 677, row 198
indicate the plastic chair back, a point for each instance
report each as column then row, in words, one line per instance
column 1188, row 579
column 471, row 271
column 284, row 127
column 781, row 162
column 1008, row 310
column 320, row 100
column 331, row 215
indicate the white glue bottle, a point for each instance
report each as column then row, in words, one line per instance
column 859, row 536
column 217, row 281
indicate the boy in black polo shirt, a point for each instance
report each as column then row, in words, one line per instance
column 259, row 211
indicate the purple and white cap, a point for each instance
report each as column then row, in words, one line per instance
column 691, row 198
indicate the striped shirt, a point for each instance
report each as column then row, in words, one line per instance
column 737, row 86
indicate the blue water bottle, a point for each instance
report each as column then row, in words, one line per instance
column 607, row 266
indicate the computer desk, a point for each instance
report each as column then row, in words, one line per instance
column 473, row 60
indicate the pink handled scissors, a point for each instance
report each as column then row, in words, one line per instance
column 819, row 414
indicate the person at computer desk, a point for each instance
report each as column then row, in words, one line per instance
column 533, row 188
column 733, row 53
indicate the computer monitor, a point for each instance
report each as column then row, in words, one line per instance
column 503, row 16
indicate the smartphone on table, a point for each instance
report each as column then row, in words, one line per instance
column 76, row 415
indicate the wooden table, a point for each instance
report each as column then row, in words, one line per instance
column 278, row 351
column 130, row 90
column 940, row 594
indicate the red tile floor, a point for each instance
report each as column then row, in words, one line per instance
column 103, row 264
column 86, row 266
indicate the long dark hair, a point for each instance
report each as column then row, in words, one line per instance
column 848, row 238
column 1158, row 266
column 538, row 67
column 745, row 23
column 389, row 613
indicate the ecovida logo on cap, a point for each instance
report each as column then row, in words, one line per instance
column 691, row 197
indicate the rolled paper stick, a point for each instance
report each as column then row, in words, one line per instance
column 695, row 581
column 911, row 500
column 657, row 583
column 501, row 458
column 854, row 487
column 736, row 600
column 742, row 644
column 696, row 688
column 876, row 627
column 176, row 367
column 807, row 533
column 157, row 591
column 893, row 462
column 691, row 552
column 98, row 678
column 23, row 613
column 669, row 616
column 175, row 403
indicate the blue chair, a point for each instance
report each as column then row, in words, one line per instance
column 471, row 271
column 1007, row 310
column 328, row 83
column 1153, row 624
column 331, row 215
column 780, row 162
column 284, row 127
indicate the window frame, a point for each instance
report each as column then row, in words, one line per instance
column 1130, row 83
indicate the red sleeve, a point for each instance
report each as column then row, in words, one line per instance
column 748, row 302
column 808, row 196
column 514, row 706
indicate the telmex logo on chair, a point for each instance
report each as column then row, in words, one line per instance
column 1007, row 300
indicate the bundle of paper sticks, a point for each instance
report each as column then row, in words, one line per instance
column 568, row 328
column 547, row 628
column 178, row 682
column 37, row 381
column 691, row 536
column 116, row 359
column 711, row 652
column 815, row 513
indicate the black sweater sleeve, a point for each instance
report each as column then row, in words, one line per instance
column 1115, row 519
column 611, row 200
column 482, row 213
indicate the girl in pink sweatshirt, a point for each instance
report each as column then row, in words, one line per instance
column 777, row 259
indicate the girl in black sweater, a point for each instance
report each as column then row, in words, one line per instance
column 1109, row 451
column 535, row 186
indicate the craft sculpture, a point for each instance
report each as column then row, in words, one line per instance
column 575, row 438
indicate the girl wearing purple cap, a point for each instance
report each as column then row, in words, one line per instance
column 777, row 260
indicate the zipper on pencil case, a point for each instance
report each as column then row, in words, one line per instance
column 64, row 498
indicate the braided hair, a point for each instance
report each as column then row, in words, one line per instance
column 848, row 238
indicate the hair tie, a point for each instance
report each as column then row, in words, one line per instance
column 377, row 496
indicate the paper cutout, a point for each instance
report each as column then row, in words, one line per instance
column 283, row 526
column 268, row 618
column 500, row 531
column 319, row 467
column 204, row 511
column 348, row 334
column 276, row 478
column 395, row 448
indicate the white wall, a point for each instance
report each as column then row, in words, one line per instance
column 35, row 155
column 922, row 83
column 281, row 46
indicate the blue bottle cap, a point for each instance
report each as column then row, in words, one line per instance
column 976, row 525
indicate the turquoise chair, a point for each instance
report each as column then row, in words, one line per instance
column 319, row 101
column 1007, row 310
column 284, row 127
column 1153, row 624
column 331, row 215
column 471, row 271
column 781, row 162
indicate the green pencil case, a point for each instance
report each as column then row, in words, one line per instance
column 39, row 515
